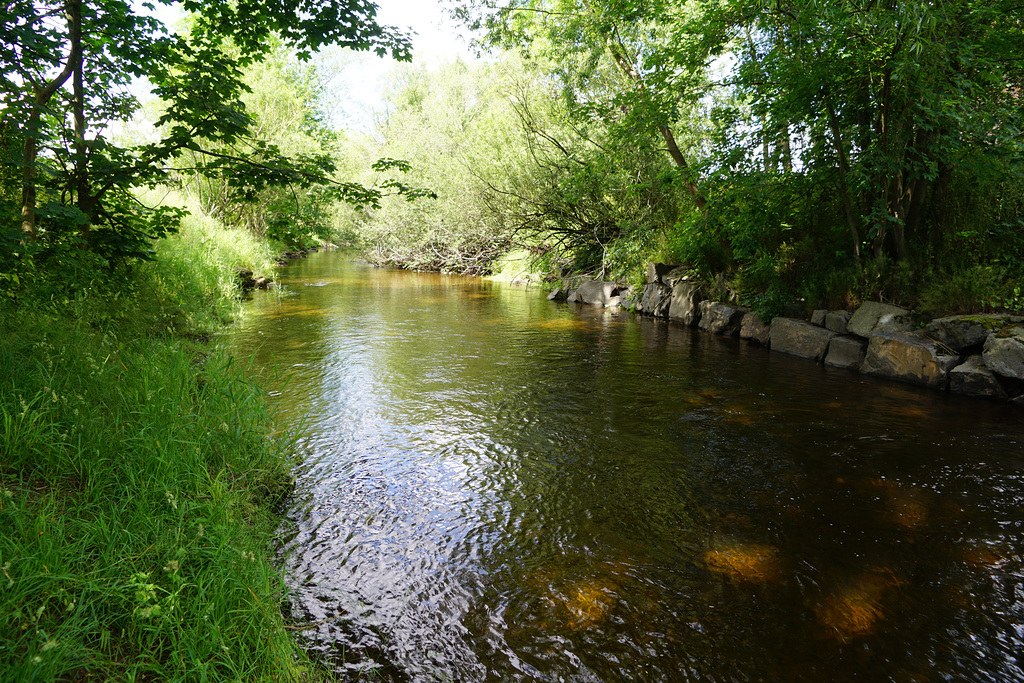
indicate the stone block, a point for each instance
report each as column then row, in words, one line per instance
column 973, row 378
column 800, row 338
column 755, row 329
column 656, row 300
column 874, row 317
column 838, row 321
column 597, row 293
column 685, row 304
column 846, row 352
column 908, row 357
column 719, row 318
column 818, row 317
column 1004, row 352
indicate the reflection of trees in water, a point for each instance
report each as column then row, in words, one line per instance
column 607, row 488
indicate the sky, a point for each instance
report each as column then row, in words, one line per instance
column 356, row 82
column 358, row 89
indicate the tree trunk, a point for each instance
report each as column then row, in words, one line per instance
column 84, row 198
column 42, row 97
column 851, row 222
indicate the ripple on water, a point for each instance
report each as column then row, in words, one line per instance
column 497, row 488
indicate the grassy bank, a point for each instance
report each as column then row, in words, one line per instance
column 138, row 475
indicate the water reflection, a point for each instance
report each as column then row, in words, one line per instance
column 498, row 488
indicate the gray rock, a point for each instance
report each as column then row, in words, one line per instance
column 656, row 271
column 685, row 304
column 719, row 318
column 874, row 317
column 961, row 332
column 846, row 352
column 597, row 293
column 572, row 297
column 558, row 294
column 755, row 329
column 1004, row 352
column 630, row 299
column 800, row 338
column 818, row 317
column 908, row 357
column 973, row 378
column 656, row 300
column 838, row 321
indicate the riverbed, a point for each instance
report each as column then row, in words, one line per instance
column 495, row 487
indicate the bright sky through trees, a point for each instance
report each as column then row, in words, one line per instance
column 356, row 84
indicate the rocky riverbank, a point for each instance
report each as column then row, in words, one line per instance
column 974, row 355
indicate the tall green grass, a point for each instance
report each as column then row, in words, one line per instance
column 138, row 476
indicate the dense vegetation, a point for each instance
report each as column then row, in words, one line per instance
column 829, row 153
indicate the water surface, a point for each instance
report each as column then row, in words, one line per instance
column 494, row 487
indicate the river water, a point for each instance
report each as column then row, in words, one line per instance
column 494, row 487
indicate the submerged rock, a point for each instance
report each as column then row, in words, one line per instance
column 908, row 357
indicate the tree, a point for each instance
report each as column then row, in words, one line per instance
column 82, row 179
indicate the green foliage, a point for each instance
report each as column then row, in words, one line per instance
column 138, row 477
column 66, row 72
column 834, row 152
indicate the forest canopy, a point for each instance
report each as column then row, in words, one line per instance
column 829, row 152
column 824, row 151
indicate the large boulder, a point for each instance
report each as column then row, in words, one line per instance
column 846, row 352
column 599, row 293
column 874, row 317
column 973, row 378
column 755, row 329
column 1004, row 352
column 719, row 318
column 685, row 304
column 962, row 332
column 800, row 338
column 908, row 357
column 656, row 300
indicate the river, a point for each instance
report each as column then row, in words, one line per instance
column 494, row 487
